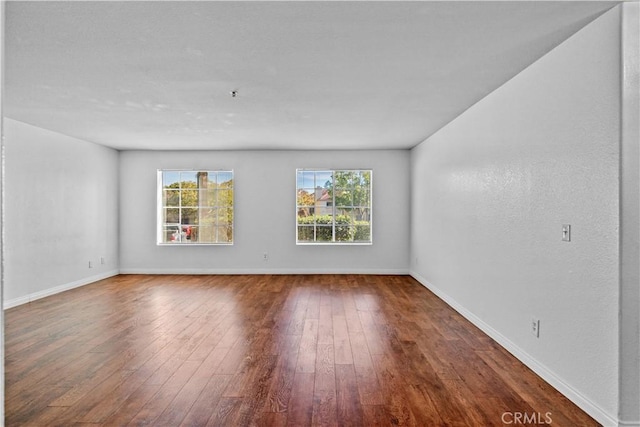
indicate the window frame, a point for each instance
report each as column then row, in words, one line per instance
column 160, row 207
column 333, row 207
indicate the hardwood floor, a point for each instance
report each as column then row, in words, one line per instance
column 263, row 350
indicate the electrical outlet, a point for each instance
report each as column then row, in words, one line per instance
column 90, row 264
column 566, row 232
column 265, row 256
column 535, row 327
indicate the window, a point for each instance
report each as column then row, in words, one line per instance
column 195, row 207
column 333, row 206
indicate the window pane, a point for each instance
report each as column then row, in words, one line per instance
column 344, row 215
column 365, row 178
column 225, row 179
column 344, row 232
column 203, row 197
column 212, row 181
column 344, row 197
column 322, row 195
column 305, row 197
column 225, row 234
column 305, row 215
column 208, row 197
column 202, row 179
column 189, row 215
column 171, row 198
column 187, row 231
column 206, row 234
column 324, row 233
column 225, row 216
column 305, row 233
column 324, row 179
column 180, row 234
column 362, row 232
column 224, row 198
column 311, row 196
column 323, row 219
column 362, row 198
column 170, row 179
column 189, row 198
column 208, row 216
column 188, row 179
column 172, row 215
column 171, row 233
column 305, row 179
column 362, row 214
column 344, row 179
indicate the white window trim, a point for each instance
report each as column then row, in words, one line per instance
column 159, row 207
column 334, row 243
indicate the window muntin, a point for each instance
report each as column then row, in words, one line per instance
column 333, row 206
column 195, row 207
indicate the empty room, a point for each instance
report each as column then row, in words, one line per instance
column 297, row 213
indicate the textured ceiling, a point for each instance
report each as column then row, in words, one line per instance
column 308, row 75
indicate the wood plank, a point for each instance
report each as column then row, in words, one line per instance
column 341, row 341
column 225, row 412
column 348, row 403
column 300, row 408
column 394, row 390
column 155, row 407
column 325, row 409
column 279, row 393
column 203, row 407
column 132, row 406
column 367, row 379
column 308, row 347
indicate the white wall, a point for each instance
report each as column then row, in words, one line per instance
column 490, row 193
column 61, row 211
column 630, row 219
column 264, row 214
column 2, row 18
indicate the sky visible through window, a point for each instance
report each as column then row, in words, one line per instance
column 313, row 179
column 174, row 177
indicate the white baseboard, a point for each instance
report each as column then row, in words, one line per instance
column 238, row 271
column 56, row 290
column 550, row 377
